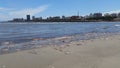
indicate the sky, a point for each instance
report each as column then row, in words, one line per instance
column 10, row 9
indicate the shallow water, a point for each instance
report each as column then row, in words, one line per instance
column 19, row 36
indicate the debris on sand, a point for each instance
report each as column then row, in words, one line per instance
column 79, row 44
column 67, row 45
column 33, row 52
column 55, row 48
column 60, row 50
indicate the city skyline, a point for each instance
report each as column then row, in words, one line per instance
column 45, row 8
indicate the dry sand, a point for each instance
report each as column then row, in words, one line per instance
column 97, row 53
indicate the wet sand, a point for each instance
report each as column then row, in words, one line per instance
column 94, row 53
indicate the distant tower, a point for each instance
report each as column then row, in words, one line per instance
column 28, row 17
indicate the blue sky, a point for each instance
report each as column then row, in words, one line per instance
column 19, row 8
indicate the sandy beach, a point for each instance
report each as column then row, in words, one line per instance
column 95, row 53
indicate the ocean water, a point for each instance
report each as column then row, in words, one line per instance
column 19, row 36
column 19, row 31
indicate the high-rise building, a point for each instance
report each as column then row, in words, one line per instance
column 28, row 17
column 119, row 15
column 114, row 14
column 97, row 15
column 33, row 18
column 107, row 15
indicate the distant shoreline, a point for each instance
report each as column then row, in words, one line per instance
column 58, row 21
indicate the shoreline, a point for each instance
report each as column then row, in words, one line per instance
column 35, row 43
column 57, row 22
column 11, row 47
column 94, row 53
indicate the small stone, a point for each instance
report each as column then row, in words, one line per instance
column 33, row 52
column 60, row 50
column 79, row 44
column 67, row 45
column 63, row 41
column 55, row 48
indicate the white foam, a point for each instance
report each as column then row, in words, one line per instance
column 117, row 25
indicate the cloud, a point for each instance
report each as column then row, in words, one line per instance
column 3, row 17
column 12, row 13
column 5, row 9
column 116, row 11
column 1, row 8
column 31, row 11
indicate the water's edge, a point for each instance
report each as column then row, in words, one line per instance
column 10, row 47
